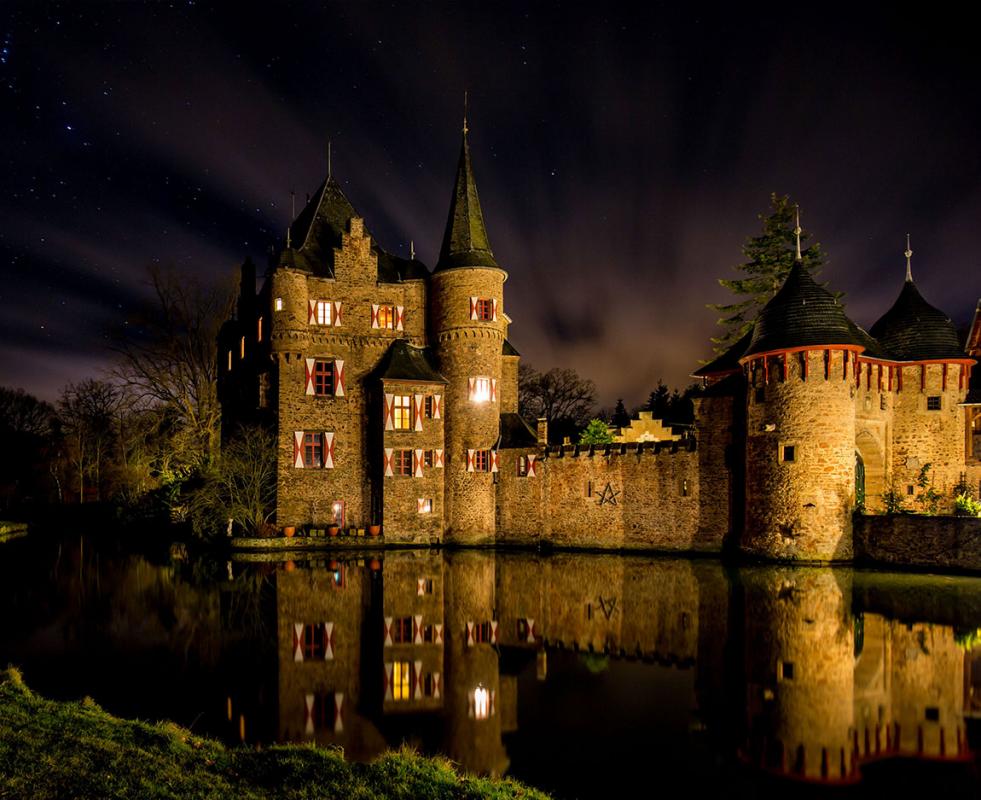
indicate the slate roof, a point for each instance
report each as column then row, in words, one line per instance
column 913, row 330
column 801, row 314
column 728, row 361
column 507, row 349
column 318, row 230
column 515, row 432
column 465, row 242
column 406, row 362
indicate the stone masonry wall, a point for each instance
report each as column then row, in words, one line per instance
column 714, row 422
column 919, row 541
column 509, row 384
column 800, row 509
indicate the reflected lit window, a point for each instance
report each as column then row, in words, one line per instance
column 481, row 703
column 229, row 360
column 402, row 630
column 241, row 348
column 324, row 711
column 314, row 641
column 259, row 330
column 401, row 680
column 425, row 505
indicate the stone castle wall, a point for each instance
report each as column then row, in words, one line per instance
column 800, row 509
column 919, row 541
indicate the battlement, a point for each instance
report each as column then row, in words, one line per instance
column 618, row 449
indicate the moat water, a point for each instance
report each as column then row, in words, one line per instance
column 584, row 675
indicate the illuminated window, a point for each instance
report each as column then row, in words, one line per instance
column 427, row 585
column 337, row 512
column 313, row 450
column 428, row 405
column 402, row 412
column 258, row 335
column 401, row 680
column 229, row 360
column 278, row 305
column 314, row 641
column 323, row 313
column 933, row 403
column 403, row 462
column 522, row 466
column 481, row 391
column 685, row 488
column 481, row 703
column 485, row 309
column 241, row 348
column 386, row 317
column 402, row 630
column 323, row 377
column 481, row 460
column 425, row 505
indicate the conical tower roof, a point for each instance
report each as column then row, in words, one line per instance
column 913, row 330
column 465, row 242
column 801, row 314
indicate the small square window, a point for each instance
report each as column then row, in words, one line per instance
column 481, row 460
column 909, row 490
column 933, row 403
column 932, row 714
column 788, row 453
column 425, row 505
column 787, row 670
column 278, row 305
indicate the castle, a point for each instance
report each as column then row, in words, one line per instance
column 393, row 394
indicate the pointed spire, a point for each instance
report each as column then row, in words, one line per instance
column 465, row 128
column 797, row 232
column 909, row 264
column 412, row 250
column 465, row 242
column 328, row 160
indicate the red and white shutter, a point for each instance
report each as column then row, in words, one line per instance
column 417, row 625
column 388, row 681
column 471, row 455
column 417, row 406
column 436, row 684
column 421, row 506
column 417, row 683
column 388, row 631
column 297, row 641
column 471, row 383
column 337, row 314
column 469, row 634
column 308, row 703
column 389, row 412
column 374, row 315
column 494, row 631
column 439, row 632
column 338, row 712
column 420, row 586
column 437, row 406
column 338, row 378
column 400, row 318
column 310, row 362
column 417, row 458
column 531, row 629
column 328, row 641
column 311, row 312
column 298, row 449
column 494, row 309
column 328, row 450
column 473, row 308
column 438, row 457
column 531, row 466
column 389, row 462
column 493, row 390
column 493, row 460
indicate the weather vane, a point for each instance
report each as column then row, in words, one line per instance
column 909, row 265
column 797, row 230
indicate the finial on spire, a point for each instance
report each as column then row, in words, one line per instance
column 909, row 265
column 328, row 159
column 797, row 230
column 465, row 128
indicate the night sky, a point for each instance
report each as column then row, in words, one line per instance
column 622, row 155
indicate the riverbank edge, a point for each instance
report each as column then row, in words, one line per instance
column 55, row 749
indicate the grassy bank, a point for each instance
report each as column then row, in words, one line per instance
column 52, row 749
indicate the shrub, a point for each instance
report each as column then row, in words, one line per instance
column 965, row 504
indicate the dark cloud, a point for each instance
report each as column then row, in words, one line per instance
column 622, row 156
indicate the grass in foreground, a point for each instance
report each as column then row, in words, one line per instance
column 51, row 749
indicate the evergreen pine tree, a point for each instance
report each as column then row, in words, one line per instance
column 621, row 418
column 769, row 258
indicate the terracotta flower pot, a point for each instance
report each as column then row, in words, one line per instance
column 374, row 565
column 288, row 531
column 374, row 530
column 333, row 530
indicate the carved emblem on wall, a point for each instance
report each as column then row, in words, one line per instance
column 609, row 495
column 609, row 606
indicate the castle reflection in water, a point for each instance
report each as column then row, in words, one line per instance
column 805, row 673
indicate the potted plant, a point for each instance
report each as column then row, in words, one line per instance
column 374, row 529
column 333, row 529
column 288, row 531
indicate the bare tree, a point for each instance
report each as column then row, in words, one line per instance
column 87, row 411
column 564, row 398
column 171, row 362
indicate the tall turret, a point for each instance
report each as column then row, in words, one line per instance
column 800, row 438
column 468, row 326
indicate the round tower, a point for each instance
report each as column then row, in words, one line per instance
column 800, row 437
column 468, row 327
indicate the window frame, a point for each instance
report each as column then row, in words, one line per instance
column 481, row 460
column 386, row 316
column 934, row 402
column 402, row 679
column 320, row 368
column 402, row 630
column 402, row 412
column 313, row 444
column 485, row 309
column 402, row 462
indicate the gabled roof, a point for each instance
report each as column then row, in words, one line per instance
column 465, row 242
column 801, row 314
column 507, row 349
column 913, row 330
column 406, row 362
column 515, row 432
